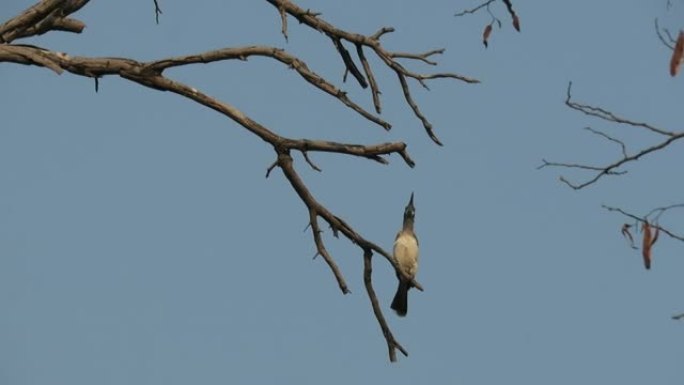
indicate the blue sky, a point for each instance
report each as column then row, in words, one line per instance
column 140, row 242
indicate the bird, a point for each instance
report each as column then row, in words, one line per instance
column 406, row 257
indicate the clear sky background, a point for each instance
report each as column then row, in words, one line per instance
column 141, row 244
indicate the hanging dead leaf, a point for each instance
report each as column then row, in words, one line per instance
column 516, row 22
column 677, row 55
column 627, row 234
column 485, row 35
column 646, row 245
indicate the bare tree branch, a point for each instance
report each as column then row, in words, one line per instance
column 243, row 53
column 392, row 344
column 157, row 11
column 669, row 44
column 338, row 36
column 611, row 168
column 375, row 91
column 488, row 28
column 610, row 138
column 323, row 252
column 419, row 56
column 283, row 21
column 51, row 15
column 42, row 17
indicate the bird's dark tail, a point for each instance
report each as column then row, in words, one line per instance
column 400, row 301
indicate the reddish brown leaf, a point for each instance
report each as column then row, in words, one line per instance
column 677, row 55
column 485, row 35
column 516, row 22
column 646, row 245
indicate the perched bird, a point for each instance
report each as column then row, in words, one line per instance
column 406, row 257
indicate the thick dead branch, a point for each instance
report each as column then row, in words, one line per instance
column 392, row 344
column 611, row 168
column 52, row 15
column 45, row 16
column 338, row 36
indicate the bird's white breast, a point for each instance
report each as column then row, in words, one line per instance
column 406, row 254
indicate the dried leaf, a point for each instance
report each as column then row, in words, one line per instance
column 646, row 245
column 485, row 35
column 628, row 235
column 516, row 22
column 677, row 55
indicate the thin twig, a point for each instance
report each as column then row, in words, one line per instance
column 473, row 10
column 610, row 138
column 157, row 11
column 283, row 21
column 407, row 95
column 306, row 157
column 667, row 44
column 375, row 90
column 323, row 252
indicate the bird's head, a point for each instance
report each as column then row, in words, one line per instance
column 410, row 210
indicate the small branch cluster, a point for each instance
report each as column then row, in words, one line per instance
column 489, row 27
column 372, row 42
column 612, row 168
column 650, row 227
column 652, row 218
column 50, row 15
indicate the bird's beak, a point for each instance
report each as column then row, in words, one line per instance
column 411, row 200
